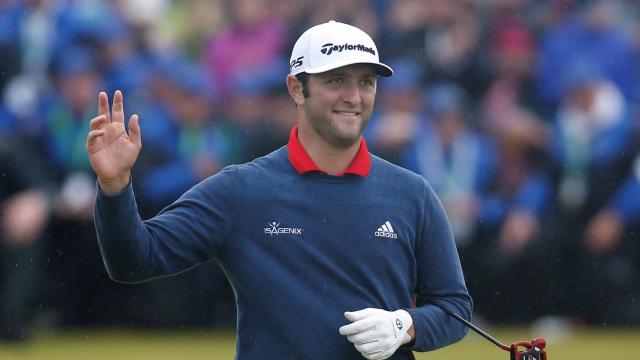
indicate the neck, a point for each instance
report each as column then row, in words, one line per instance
column 332, row 159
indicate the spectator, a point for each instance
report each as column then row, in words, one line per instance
column 610, row 257
column 401, row 110
column 511, row 92
column 252, row 45
column 511, row 215
column 605, row 231
column 28, row 34
column 590, row 35
column 25, row 205
column 61, row 145
column 591, row 147
column 444, row 35
column 272, row 124
column 358, row 13
column 592, row 132
column 196, row 143
column 458, row 162
column 187, row 24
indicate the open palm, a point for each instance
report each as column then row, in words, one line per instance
column 111, row 150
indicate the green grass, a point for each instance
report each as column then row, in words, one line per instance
column 585, row 344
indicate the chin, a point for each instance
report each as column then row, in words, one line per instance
column 344, row 140
column 338, row 132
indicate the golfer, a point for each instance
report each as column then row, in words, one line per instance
column 332, row 253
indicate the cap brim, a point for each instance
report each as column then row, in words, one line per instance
column 381, row 69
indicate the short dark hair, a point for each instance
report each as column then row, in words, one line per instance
column 304, row 79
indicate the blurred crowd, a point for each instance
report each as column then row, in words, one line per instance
column 522, row 115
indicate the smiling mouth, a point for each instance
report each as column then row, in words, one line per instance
column 347, row 113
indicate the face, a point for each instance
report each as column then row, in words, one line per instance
column 79, row 90
column 340, row 103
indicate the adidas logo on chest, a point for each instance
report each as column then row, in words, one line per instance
column 386, row 230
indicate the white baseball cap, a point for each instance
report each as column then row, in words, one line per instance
column 332, row 45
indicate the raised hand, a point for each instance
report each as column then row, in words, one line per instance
column 111, row 150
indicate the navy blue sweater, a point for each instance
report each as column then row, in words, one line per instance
column 299, row 251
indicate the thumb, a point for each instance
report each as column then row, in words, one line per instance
column 134, row 130
column 360, row 314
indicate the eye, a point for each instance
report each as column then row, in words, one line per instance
column 367, row 82
column 336, row 80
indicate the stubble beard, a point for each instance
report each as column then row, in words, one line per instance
column 332, row 134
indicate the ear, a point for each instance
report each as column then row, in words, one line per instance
column 295, row 90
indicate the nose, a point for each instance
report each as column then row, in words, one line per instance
column 351, row 94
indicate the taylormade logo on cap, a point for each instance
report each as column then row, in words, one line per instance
column 327, row 49
column 332, row 45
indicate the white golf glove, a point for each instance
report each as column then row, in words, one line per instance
column 377, row 333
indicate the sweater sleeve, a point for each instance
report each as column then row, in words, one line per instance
column 190, row 231
column 439, row 280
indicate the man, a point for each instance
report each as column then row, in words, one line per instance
column 311, row 234
column 25, row 206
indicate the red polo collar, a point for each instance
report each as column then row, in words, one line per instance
column 361, row 164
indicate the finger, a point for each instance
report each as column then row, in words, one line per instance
column 363, row 337
column 117, row 109
column 369, row 349
column 98, row 122
column 134, row 130
column 103, row 105
column 93, row 134
column 379, row 355
column 360, row 314
column 356, row 327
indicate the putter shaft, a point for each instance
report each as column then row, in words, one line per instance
column 474, row 328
